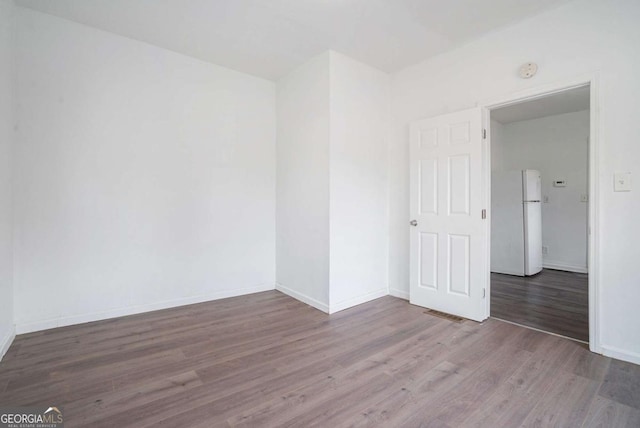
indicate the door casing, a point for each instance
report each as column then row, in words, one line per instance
column 590, row 80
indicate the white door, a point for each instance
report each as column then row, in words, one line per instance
column 448, row 268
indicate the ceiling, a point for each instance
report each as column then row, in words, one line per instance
column 560, row 103
column 268, row 38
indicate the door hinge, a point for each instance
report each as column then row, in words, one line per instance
column 484, row 134
column 484, row 293
column 484, row 214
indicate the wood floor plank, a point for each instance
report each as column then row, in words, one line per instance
column 585, row 363
column 316, row 361
column 604, row 413
column 89, row 410
column 621, row 384
column 137, row 339
column 453, row 406
column 513, row 401
column 553, row 300
column 339, row 383
column 268, row 360
column 244, row 344
column 316, row 365
column 400, row 401
column 565, row 404
column 55, row 385
column 420, row 390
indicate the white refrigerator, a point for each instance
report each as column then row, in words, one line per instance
column 516, row 222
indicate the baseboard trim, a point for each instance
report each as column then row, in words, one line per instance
column 620, row 354
column 401, row 294
column 303, row 298
column 132, row 310
column 562, row 266
column 507, row 271
column 7, row 340
column 358, row 300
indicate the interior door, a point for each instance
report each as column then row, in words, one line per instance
column 448, row 268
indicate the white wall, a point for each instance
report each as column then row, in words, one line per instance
column 303, row 183
column 556, row 146
column 143, row 178
column 332, row 182
column 577, row 38
column 358, row 182
column 6, row 137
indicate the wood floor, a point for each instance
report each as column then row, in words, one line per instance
column 266, row 360
column 552, row 300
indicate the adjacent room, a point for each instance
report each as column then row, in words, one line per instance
column 319, row 213
column 540, row 206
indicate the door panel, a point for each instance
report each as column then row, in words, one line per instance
column 458, row 190
column 460, row 133
column 429, row 186
column 428, row 138
column 429, row 260
column 459, row 264
column 448, row 242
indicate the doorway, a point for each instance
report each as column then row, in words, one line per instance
column 540, row 205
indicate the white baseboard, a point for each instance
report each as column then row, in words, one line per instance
column 303, row 298
column 506, row 271
column 6, row 341
column 132, row 310
column 358, row 300
column 401, row 294
column 620, row 354
column 550, row 264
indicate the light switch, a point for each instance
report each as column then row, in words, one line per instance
column 622, row 182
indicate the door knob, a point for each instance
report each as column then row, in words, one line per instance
column 413, row 222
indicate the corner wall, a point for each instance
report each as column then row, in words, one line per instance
column 332, row 223
column 144, row 179
column 7, row 329
column 358, row 182
column 302, row 219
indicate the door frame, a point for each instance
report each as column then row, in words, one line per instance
column 593, row 252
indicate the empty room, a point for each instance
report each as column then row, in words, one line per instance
column 270, row 213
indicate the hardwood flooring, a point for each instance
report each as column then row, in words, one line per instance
column 553, row 300
column 267, row 360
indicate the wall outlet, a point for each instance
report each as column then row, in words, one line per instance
column 545, row 199
column 545, row 250
column 584, row 197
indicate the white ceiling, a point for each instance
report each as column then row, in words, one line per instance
column 560, row 103
column 268, row 38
